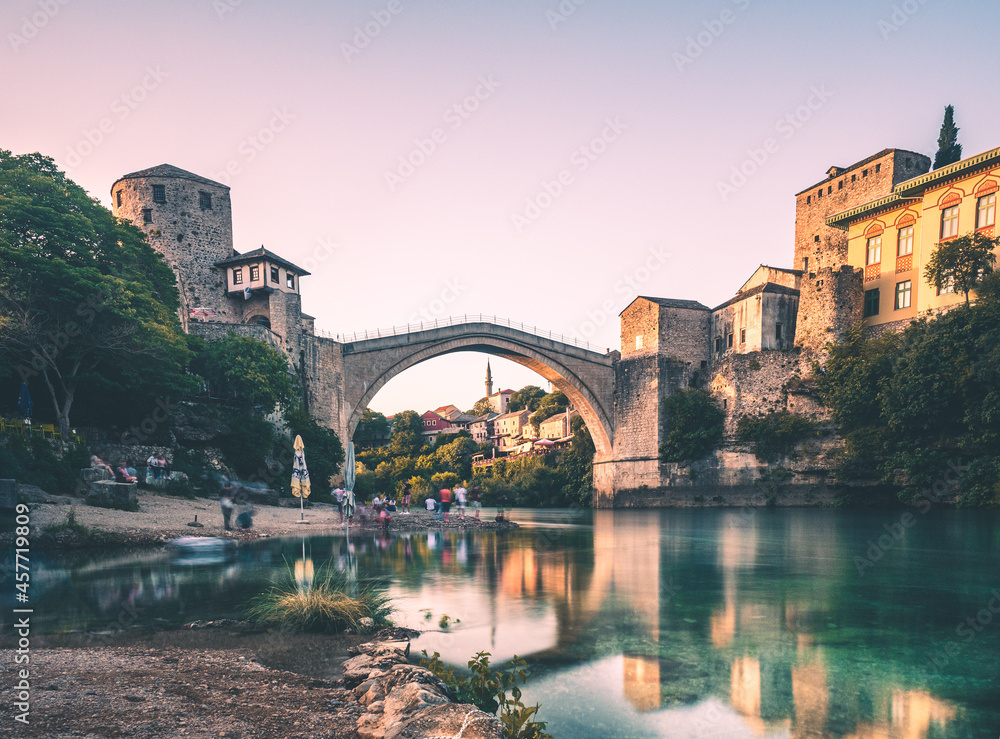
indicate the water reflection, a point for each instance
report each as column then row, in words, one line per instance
column 687, row 624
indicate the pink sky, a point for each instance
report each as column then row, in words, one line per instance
column 642, row 109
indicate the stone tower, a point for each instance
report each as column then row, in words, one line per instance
column 489, row 380
column 818, row 245
column 189, row 220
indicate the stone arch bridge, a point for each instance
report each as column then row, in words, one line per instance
column 344, row 374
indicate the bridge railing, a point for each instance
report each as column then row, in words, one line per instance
column 409, row 328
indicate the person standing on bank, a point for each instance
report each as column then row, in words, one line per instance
column 407, row 492
column 477, row 501
column 445, row 503
column 460, row 493
column 227, row 506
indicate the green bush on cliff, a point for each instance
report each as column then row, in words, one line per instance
column 925, row 401
column 694, row 426
column 774, row 434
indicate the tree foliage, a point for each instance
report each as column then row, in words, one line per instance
column 548, row 406
column 248, row 372
column 925, row 401
column 481, row 408
column 528, row 397
column 962, row 263
column 373, row 429
column 86, row 305
column 949, row 150
column 774, row 434
column 694, row 426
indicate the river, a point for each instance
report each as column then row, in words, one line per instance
column 678, row 623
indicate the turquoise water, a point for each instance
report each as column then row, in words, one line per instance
column 713, row 623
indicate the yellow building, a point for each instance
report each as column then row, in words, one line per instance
column 892, row 238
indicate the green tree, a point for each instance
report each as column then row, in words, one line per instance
column 548, row 406
column 949, row 150
column 248, row 371
column 86, row 305
column 481, row 408
column 528, row 397
column 962, row 263
column 456, row 456
column 373, row 429
column 407, row 421
column 694, row 426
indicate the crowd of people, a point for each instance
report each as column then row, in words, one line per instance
column 439, row 504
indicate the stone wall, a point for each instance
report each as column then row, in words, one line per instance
column 640, row 332
column 881, row 329
column 843, row 189
column 830, row 302
column 758, row 383
column 684, row 337
column 215, row 330
column 734, row 477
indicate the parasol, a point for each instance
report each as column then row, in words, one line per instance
column 300, row 477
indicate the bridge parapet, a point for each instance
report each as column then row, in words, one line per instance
column 464, row 320
column 470, row 330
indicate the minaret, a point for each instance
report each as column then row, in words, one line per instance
column 489, row 380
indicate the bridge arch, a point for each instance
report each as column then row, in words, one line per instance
column 586, row 377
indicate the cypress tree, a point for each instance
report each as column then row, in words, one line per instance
column 949, row 150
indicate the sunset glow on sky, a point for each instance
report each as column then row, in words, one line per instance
column 540, row 161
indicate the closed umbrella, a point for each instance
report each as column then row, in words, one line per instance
column 24, row 402
column 349, row 479
column 300, row 477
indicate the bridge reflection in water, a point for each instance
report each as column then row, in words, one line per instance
column 698, row 639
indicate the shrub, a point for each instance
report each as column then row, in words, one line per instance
column 487, row 690
column 775, row 433
column 694, row 426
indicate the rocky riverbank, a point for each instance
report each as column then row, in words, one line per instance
column 223, row 682
column 162, row 517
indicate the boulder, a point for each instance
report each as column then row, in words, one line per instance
column 92, row 474
column 404, row 701
column 110, row 494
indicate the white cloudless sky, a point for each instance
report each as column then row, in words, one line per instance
column 339, row 124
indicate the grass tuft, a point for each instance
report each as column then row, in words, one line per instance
column 326, row 607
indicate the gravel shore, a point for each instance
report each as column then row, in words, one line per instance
column 227, row 681
column 163, row 517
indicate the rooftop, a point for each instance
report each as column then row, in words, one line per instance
column 167, row 170
column 261, row 253
column 768, row 287
column 670, row 303
column 837, row 171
